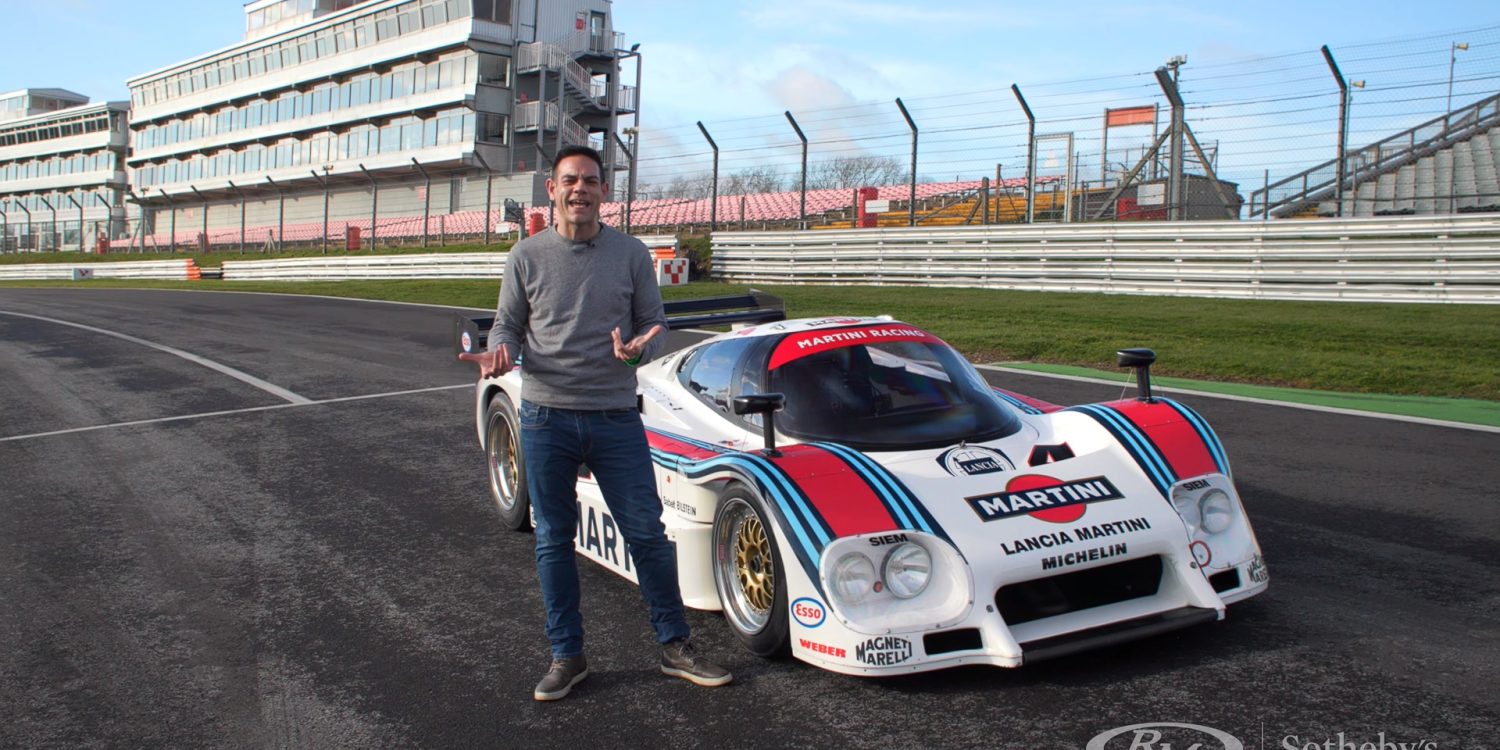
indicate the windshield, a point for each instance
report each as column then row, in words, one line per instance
column 883, row 387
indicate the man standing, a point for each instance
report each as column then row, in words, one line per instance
column 580, row 302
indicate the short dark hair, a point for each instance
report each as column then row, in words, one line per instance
column 567, row 151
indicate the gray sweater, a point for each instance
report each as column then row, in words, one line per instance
column 558, row 303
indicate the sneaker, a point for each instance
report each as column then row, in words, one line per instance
column 680, row 659
column 561, row 677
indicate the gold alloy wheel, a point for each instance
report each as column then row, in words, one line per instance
column 753, row 563
column 503, row 467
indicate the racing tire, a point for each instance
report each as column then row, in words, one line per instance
column 507, row 471
column 748, row 573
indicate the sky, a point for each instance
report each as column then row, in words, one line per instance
column 838, row 65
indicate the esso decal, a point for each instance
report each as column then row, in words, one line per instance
column 809, row 613
column 467, row 342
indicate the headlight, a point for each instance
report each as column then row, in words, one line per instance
column 908, row 568
column 854, row 578
column 1216, row 511
column 1188, row 509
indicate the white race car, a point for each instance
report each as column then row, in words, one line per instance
column 852, row 491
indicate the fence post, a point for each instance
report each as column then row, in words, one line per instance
column 489, row 187
column 911, row 207
column 374, row 204
column 281, row 214
column 426, row 199
column 1030, row 154
column 75, row 202
column 323, row 180
column 713, row 196
column 241, row 194
column 1339, row 169
column 208, row 245
column 802, row 206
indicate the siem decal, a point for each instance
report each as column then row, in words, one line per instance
column 822, row 648
column 1049, row 454
column 1196, row 484
column 883, row 651
column 1044, row 498
column 969, row 460
column 809, row 613
column 876, row 541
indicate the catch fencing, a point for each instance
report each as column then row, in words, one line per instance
column 1386, row 259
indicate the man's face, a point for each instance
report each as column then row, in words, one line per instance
column 577, row 191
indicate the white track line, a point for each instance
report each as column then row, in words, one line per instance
column 246, row 410
column 240, row 375
column 1254, row 400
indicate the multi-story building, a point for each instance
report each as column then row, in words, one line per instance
column 62, row 170
column 347, row 108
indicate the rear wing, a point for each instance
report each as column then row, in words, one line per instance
column 471, row 333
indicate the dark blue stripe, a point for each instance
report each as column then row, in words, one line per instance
column 1019, row 404
column 1129, row 439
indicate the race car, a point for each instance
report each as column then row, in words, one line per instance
column 850, row 490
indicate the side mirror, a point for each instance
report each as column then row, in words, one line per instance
column 767, row 404
column 1140, row 360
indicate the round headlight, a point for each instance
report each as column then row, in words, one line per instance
column 853, row 578
column 908, row 568
column 1183, row 501
column 1216, row 510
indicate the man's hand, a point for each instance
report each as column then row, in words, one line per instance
column 498, row 362
column 627, row 351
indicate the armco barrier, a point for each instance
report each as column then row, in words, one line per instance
column 140, row 269
column 425, row 266
column 1382, row 259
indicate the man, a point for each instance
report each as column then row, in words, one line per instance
column 580, row 302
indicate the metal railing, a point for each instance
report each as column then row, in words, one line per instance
column 140, row 269
column 1386, row 259
column 1369, row 162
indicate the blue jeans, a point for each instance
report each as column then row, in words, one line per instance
column 612, row 444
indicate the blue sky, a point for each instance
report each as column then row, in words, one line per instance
column 838, row 64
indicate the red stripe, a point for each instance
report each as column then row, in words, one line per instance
column 1045, row 406
column 844, row 500
column 677, row 447
column 1174, row 435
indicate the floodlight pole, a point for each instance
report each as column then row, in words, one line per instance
column 1339, row 169
column 713, row 196
column 911, row 200
column 1030, row 154
column 630, row 158
column 802, row 206
column 1175, row 187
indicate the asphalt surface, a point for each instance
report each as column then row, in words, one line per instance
column 331, row 574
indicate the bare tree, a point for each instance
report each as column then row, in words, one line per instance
column 855, row 171
column 752, row 180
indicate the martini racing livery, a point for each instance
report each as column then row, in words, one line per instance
column 852, row 491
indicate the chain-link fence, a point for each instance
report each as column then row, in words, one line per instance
column 1400, row 126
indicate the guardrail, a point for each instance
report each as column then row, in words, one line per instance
column 140, row 269
column 1381, row 259
column 425, row 266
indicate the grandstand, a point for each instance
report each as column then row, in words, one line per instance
column 1446, row 165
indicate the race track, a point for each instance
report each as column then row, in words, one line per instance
column 279, row 535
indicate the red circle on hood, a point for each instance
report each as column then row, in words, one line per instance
column 1065, row 514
